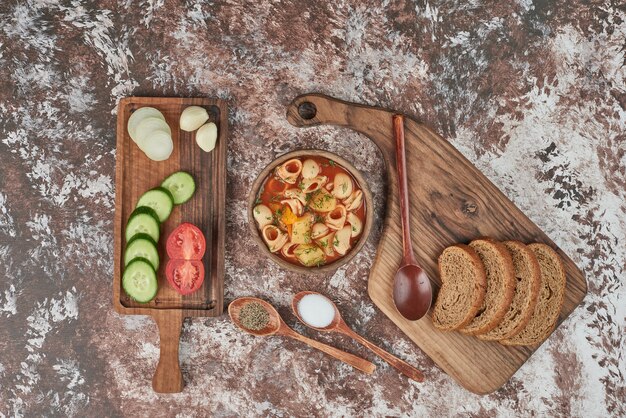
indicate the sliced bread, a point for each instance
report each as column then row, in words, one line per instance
column 462, row 287
column 522, row 307
column 550, row 299
column 500, row 286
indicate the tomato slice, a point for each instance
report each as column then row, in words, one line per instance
column 185, row 276
column 186, row 242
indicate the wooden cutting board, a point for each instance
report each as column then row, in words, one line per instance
column 451, row 202
column 135, row 174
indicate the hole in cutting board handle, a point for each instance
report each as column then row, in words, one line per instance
column 307, row 110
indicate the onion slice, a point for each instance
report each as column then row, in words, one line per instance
column 139, row 115
column 158, row 146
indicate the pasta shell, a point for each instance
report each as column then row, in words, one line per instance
column 310, row 169
column 295, row 205
column 274, row 237
column 262, row 215
column 354, row 201
column 314, row 184
column 296, row 194
column 290, row 170
column 355, row 223
column 336, row 218
column 319, row 230
column 288, row 250
column 326, row 244
column 343, row 186
column 341, row 243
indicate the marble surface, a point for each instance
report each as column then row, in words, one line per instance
column 533, row 93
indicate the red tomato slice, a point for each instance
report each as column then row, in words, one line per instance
column 185, row 276
column 186, row 242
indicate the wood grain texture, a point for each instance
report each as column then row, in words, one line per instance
column 134, row 175
column 451, row 202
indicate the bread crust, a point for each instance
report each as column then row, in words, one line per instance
column 535, row 286
column 559, row 262
column 479, row 290
column 509, row 290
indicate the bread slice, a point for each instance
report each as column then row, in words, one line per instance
column 551, row 298
column 522, row 307
column 500, row 286
column 462, row 289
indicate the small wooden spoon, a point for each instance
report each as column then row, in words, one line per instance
column 412, row 292
column 339, row 325
column 277, row 326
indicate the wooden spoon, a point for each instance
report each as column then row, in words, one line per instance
column 339, row 325
column 277, row 326
column 412, row 292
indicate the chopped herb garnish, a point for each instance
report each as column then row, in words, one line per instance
column 257, row 211
column 331, row 162
column 258, row 201
column 336, row 242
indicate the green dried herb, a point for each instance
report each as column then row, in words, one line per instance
column 253, row 316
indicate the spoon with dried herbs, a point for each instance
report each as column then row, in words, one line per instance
column 260, row 318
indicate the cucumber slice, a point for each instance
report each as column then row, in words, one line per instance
column 140, row 281
column 180, row 185
column 142, row 246
column 143, row 220
column 160, row 200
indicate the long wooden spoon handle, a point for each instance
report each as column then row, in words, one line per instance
column 404, row 367
column 398, row 131
column 351, row 359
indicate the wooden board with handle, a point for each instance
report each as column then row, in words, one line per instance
column 451, row 202
column 135, row 174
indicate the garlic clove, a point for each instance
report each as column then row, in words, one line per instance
column 192, row 118
column 206, row 137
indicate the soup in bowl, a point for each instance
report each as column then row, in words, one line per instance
column 309, row 210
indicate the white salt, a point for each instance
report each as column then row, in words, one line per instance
column 316, row 310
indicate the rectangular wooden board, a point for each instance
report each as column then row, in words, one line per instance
column 136, row 173
column 451, row 201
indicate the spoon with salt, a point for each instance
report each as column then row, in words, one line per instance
column 412, row 292
column 276, row 326
column 318, row 315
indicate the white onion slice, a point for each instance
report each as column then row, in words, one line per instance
column 158, row 146
column 140, row 114
column 149, row 126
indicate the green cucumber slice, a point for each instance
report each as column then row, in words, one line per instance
column 142, row 246
column 143, row 220
column 139, row 280
column 180, row 185
column 160, row 200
